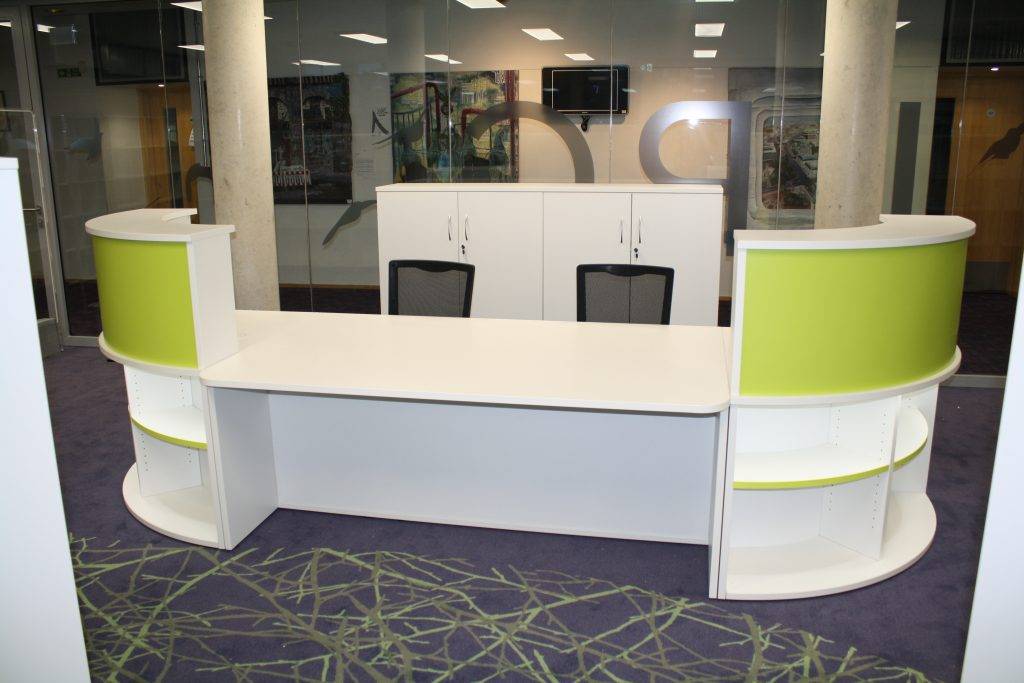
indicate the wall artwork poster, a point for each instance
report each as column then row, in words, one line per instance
column 783, row 145
column 321, row 106
column 429, row 116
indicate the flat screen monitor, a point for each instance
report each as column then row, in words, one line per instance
column 586, row 89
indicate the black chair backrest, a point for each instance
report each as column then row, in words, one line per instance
column 438, row 288
column 623, row 293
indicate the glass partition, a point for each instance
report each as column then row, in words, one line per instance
column 390, row 92
column 118, row 111
column 956, row 120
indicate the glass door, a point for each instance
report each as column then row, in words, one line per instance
column 20, row 138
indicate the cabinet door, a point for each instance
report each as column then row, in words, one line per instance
column 415, row 225
column 501, row 234
column 580, row 227
column 684, row 232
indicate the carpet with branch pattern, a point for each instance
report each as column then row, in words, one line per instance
column 190, row 613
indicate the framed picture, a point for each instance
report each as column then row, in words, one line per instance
column 322, row 104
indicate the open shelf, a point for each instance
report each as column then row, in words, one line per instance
column 185, row 514
column 827, row 464
column 182, row 426
column 818, row 566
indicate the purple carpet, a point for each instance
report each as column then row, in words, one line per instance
column 304, row 583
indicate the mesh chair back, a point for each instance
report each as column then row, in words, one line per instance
column 622, row 293
column 436, row 288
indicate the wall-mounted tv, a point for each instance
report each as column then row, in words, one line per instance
column 138, row 46
column 586, row 89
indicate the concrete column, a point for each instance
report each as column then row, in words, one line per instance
column 859, row 40
column 236, row 80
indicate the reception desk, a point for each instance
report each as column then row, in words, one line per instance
column 794, row 444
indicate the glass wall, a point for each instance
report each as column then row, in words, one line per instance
column 365, row 93
column 956, row 119
column 118, row 110
column 18, row 139
column 370, row 92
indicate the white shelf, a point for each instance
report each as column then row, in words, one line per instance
column 186, row 514
column 818, row 566
column 183, row 426
column 827, row 464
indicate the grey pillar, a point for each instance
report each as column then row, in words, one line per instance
column 859, row 40
column 236, row 78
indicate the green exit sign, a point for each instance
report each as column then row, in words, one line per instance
column 69, row 72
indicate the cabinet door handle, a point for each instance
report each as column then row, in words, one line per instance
column 640, row 231
column 449, row 228
column 620, row 231
column 465, row 228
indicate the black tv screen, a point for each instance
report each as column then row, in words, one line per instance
column 127, row 46
column 586, row 89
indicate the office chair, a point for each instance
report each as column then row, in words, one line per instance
column 437, row 288
column 622, row 293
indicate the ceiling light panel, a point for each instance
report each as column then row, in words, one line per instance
column 315, row 62
column 705, row 54
column 708, row 30
column 579, row 56
column 365, row 38
column 197, row 48
column 482, row 4
column 542, row 34
column 443, row 58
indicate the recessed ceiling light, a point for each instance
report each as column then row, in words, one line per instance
column 198, row 48
column 542, row 34
column 708, row 30
column 160, row 85
column 197, row 6
column 43, row 28
column 579, row 56
column 365, row 37
column 714, row 0
column 443, row 58
column 901, row 24
column 5, row 24
column 482, row 4
column 993, row 68
column 315, row 62
column 705, row 54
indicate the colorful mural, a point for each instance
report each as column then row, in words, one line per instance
column 429, row 116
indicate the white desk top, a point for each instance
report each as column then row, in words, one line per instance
column 660, row 188
column 153, row 225
column 646, row 368
column 893, row 231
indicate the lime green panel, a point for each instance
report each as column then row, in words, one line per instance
column 843, row 321
column 145, row 300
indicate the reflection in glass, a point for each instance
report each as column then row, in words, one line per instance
column 119, row 118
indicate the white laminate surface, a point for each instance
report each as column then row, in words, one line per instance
column 153, row 225
column 892, row 231
column 668, row 369
column 672, row 188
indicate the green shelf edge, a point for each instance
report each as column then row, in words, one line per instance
column 169, row 439
column 829, row 481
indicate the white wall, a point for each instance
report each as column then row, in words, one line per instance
column 40, row 628
column 994, row 634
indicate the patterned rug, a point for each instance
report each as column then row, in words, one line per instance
column 187, row 613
